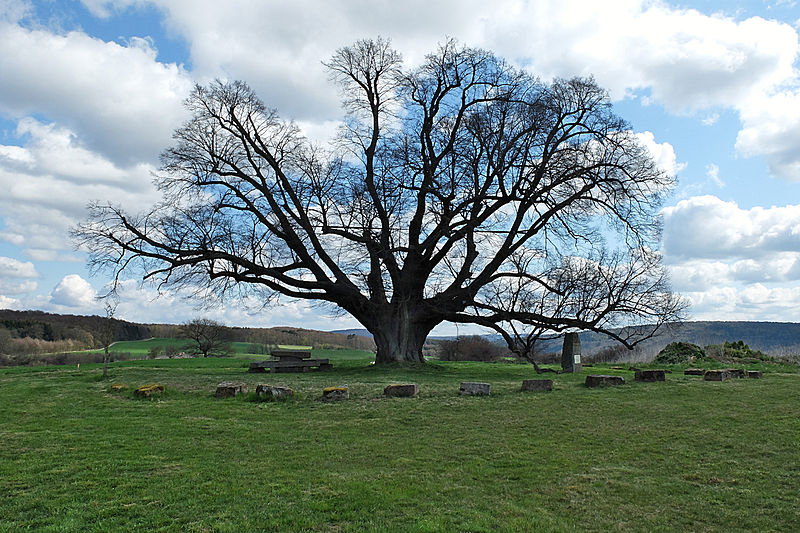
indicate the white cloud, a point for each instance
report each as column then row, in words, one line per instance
column 74, row 292
column 710, row 120
column 662, row 153
column 733, row 263
column 15, row 276
column 771, row 127
column 9, row 303
column 12, row 268
column 38, row 254
column 118, row 99
column 753, row 302
column 707, row 227
column 48, row 182
column 712, row 172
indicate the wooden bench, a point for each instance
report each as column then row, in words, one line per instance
column 290, row 361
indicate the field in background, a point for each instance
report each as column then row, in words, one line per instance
column 683, row 455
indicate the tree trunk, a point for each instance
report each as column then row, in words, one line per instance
column 105, row 362
column 399, row 335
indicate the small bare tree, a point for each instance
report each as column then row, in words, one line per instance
column 106, row 333
column 209, row 337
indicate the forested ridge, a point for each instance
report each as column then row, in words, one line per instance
column 38, row 331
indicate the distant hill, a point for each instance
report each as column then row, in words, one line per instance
column 775, row 338
column 54, row 327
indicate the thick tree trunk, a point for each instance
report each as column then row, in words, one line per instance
column 399, row 335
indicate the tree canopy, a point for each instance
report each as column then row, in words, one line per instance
column 462, row 190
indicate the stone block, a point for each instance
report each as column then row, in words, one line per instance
column 602, row 380
column 650, row 376
column 537, row 385
column 736, row 372
column 474, row 388
column 695, row 371
column 755, row 374
column 272, row 393
column 401, row 391
column 145, row 391
column 228, row 389
column 334, row 394
column 716, row 375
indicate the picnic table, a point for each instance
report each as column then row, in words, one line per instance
column 290, row 361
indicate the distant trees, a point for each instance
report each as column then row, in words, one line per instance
column 5, row 341
column 209, row 337
column 470, row 348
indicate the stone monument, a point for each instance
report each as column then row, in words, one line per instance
column 571, row 353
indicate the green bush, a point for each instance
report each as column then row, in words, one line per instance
column 736, row 352
column 676, row 353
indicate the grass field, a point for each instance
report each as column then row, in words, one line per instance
column 143, row 347
column 684, row 455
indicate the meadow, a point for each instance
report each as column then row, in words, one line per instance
column 684, row 455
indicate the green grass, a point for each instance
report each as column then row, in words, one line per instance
column 684, row 455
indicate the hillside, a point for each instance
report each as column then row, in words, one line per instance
column 774, row 338
column 54, row 327
column 40, row 332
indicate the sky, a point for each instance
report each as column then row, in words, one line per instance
column 91, row 91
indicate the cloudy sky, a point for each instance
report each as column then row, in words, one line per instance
column 91, row 91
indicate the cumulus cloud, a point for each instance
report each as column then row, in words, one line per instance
column 9, row 303
column 48, row 182
column 663, row 153
column 74, row 292
column 707, row 227
column 780, row 304
column 15, row 277
column 12, row 268
column 690, row 60
column 771, row 127
column 733, row 263
column 120, row 101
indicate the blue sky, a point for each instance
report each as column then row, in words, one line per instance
column 91, row 90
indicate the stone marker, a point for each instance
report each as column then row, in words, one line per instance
column 334, row 394
column 474, row 388
column 755, row 374
column 406, row 391
column 694, row 371
column 227, row 389
column 650, row 376
column 145, row 391
column 537, row 385
column 601, row 380
column 272, row 393
column 571, row 353
column 716, row 375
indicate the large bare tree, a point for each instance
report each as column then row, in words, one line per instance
column 463, row 190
